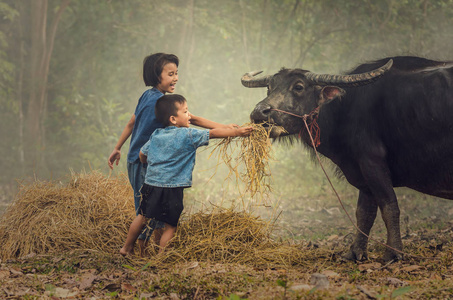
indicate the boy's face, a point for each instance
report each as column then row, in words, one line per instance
column 182, row 119
column 168, row 78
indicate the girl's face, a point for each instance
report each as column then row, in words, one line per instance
column 168, row 78
column 182, row 119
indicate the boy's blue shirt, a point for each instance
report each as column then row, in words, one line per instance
column 171, row 155
column 145, row 123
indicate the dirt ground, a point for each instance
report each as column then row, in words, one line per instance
column 81, row 275
column 318, row 228
column 324, row 275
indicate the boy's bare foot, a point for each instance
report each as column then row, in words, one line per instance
column 124, row 252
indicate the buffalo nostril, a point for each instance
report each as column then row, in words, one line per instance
column 261, row 112
column 266, row 111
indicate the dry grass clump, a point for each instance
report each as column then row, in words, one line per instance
column 91, row 212
column 248, row 159
column 226, row 236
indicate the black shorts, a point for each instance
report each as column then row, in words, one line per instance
column 162, row 204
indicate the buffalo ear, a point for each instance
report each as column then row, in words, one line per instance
column 329, row 93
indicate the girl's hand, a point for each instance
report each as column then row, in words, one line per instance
column 232, row 126
column 115, row 156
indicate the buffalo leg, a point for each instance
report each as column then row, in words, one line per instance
column 391, row 216
column 365, row 214
column 377, row 177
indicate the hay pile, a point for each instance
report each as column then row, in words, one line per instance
column 91, row 212
column 248, row 159
column 227, row 236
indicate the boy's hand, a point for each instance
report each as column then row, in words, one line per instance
column 244, row 131
column 114, row 156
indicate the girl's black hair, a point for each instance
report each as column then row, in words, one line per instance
column 166, row 107
column 154, row 64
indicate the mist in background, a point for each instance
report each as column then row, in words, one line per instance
column 71, row 74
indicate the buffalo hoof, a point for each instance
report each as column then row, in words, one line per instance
column 391, row 256
column 356, row 254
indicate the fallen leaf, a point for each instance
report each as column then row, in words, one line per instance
column 15, row 273
column 128, row 287
column 319, row 280
column 410, row 268
column 64, row 293
column 112, row 287
column 395, row 282
column 147, row 295
column 298, row 287
column 330, row 273
column 86, row 281
column 4, row 274
column 369, row 266
column 366, row 292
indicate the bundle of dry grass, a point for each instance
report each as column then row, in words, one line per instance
column 253, row 157
column 91, row 212
column 226, row 236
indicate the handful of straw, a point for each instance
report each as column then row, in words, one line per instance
column 254, row 155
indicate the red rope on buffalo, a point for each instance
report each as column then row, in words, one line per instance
column 314, row 127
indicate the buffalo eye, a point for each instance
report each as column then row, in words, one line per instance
column 298, row 87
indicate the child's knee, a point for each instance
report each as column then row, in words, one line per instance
column 169, row 228
column 143, row 219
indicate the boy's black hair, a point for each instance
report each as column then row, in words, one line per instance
column 166, row 107
column 154, row 64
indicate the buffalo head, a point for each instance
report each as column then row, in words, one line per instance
column 300, row 92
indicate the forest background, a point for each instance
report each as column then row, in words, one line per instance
column 71, row 73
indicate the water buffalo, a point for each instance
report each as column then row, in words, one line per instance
column 387, row 123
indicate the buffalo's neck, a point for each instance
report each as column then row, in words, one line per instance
column 327, row 122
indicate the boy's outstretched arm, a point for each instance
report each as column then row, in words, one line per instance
column 116, row 153
column 227, row 132
column 208, row 124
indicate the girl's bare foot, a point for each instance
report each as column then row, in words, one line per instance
column 124, row 251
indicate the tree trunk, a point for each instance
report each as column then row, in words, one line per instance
column 42, row 39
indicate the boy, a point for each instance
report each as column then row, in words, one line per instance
column 170, row 153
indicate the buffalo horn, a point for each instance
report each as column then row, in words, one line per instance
column 248, row 80
column 350, row 80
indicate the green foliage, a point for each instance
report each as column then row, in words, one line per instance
column 95, row 71
column 129, row 267
column 344, row 297
column 50, row 288
column 396, row 292
column 112, row 294
column 283, row 283
column 401, row 291
column 234, row 297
